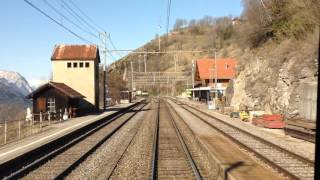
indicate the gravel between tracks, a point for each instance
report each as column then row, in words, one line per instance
column 208, row 136
column 59, row 163
column 136, row 162
column 300, row 147
column 200, row 155
column 100, row 164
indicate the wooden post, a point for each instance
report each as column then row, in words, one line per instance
column 30, row 126
column 49, row 117
column 40, row 120
column 60, row 115
column 19, row 133
column 5, row 132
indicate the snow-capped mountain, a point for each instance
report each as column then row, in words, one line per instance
column 13, row 89
column 15, row 81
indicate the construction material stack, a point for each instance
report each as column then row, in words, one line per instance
column 274, row 121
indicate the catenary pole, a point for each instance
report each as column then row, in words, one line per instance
column 192, row 75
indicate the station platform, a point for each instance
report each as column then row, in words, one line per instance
column 55, row 131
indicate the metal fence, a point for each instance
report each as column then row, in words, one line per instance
column 17, row 129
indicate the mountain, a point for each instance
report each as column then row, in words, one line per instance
column 15, row 81
column 275, row 55
column 13, row 89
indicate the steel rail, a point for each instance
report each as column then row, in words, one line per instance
column 265, row 159
column 48, row 151
column 124, row 151
column 184, row 146
column 95, row 147
column 155, row 145
column 182, row 143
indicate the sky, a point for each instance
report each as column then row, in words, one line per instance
column 28, row 37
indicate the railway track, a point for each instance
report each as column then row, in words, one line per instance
column 58, row 159
column 171, row 157
column 286, row 162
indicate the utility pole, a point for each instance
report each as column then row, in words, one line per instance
column 159, row 38
column 131, row 78
column 145, row 62
column 103, row 37
column 216, row 72
column 192, row 75
column 167, row 85
column 175, row 62
column 317, row 154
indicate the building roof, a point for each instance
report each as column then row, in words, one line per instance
column 75, row 52
column 63, row 88
column 225, row 68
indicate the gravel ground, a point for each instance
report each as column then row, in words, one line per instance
column 59, row 163
column 200, row 155
column 224, row 151
column 300, row 147
column 136, row 162
column 101, row 163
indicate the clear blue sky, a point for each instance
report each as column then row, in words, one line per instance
column 28, row 37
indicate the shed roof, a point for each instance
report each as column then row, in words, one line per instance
column 225, row 68
column 75, row 52
column 63, row 88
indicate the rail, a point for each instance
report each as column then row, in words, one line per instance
column 20, row 166
column 254, row 140
column 155, row 153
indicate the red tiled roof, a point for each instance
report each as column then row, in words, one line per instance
column 68, row 91
column 225, row 68
column 75, row 52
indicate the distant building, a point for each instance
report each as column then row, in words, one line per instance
column 76, row 68
column 236, row 21
column 207, row 71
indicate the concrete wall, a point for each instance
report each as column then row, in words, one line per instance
column 82, row 79
column 308, row 101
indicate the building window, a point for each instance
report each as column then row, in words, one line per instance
column 75, row 64
column 81, row 65
column 227, row 66
column 69, row 64
column 87, row 64
column 51, row 105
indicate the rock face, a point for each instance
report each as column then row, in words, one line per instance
column 269, row 78
column 13, row 89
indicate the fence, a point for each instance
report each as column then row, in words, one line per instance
column 17, row 129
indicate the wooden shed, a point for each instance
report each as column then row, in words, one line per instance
column 53, row 97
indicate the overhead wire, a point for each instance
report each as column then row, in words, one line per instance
column 79, row 16
column 69, row 20
column 114, row 47
column 58, row 23
column 97, row 27
column 70, row 11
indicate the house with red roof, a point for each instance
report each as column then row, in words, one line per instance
column 210, row 71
